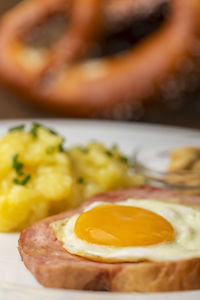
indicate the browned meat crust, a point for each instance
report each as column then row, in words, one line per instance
column 54, row 267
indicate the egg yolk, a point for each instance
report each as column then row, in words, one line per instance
column 123, row 226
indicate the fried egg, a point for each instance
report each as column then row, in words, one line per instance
column 132, row 231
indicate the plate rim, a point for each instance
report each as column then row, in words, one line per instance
column 97, row 122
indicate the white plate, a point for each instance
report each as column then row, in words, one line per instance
column 15, row 281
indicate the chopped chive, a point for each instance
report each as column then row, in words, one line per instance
column 35, row 126
column 84, row 150
column 61, row 147
column 17, row 166
column 17, row 128
column 50, row 150
column 24, row 181
column 108, row 153
column 123, row 159
column 51, row 131
column 80, row 180
column 114, row 146
column 34, row 129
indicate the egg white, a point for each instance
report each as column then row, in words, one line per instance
column 184, row 219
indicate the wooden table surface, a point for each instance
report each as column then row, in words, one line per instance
column 187, row 114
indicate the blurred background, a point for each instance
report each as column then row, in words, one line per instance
column 182, row 112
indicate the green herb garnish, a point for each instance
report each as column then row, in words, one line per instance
column 51, row 131
column 84, row 149
column 17, row 128
column 17, row 166
column 36, row 126
column 114, row 146
column 109, row 153
column 123, row 159
column 80, row 180
column 50, row 149
column 34, row 129
column 23, row 181
column 61, row 147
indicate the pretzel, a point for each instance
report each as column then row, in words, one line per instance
column 121, row 11
column 65, row 79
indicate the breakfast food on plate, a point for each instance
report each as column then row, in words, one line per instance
column 185, row 159
column 78, row 75
column 184, row 167
column 39, row 178
column 133, row 240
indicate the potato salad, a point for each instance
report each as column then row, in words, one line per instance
column 39, row 177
